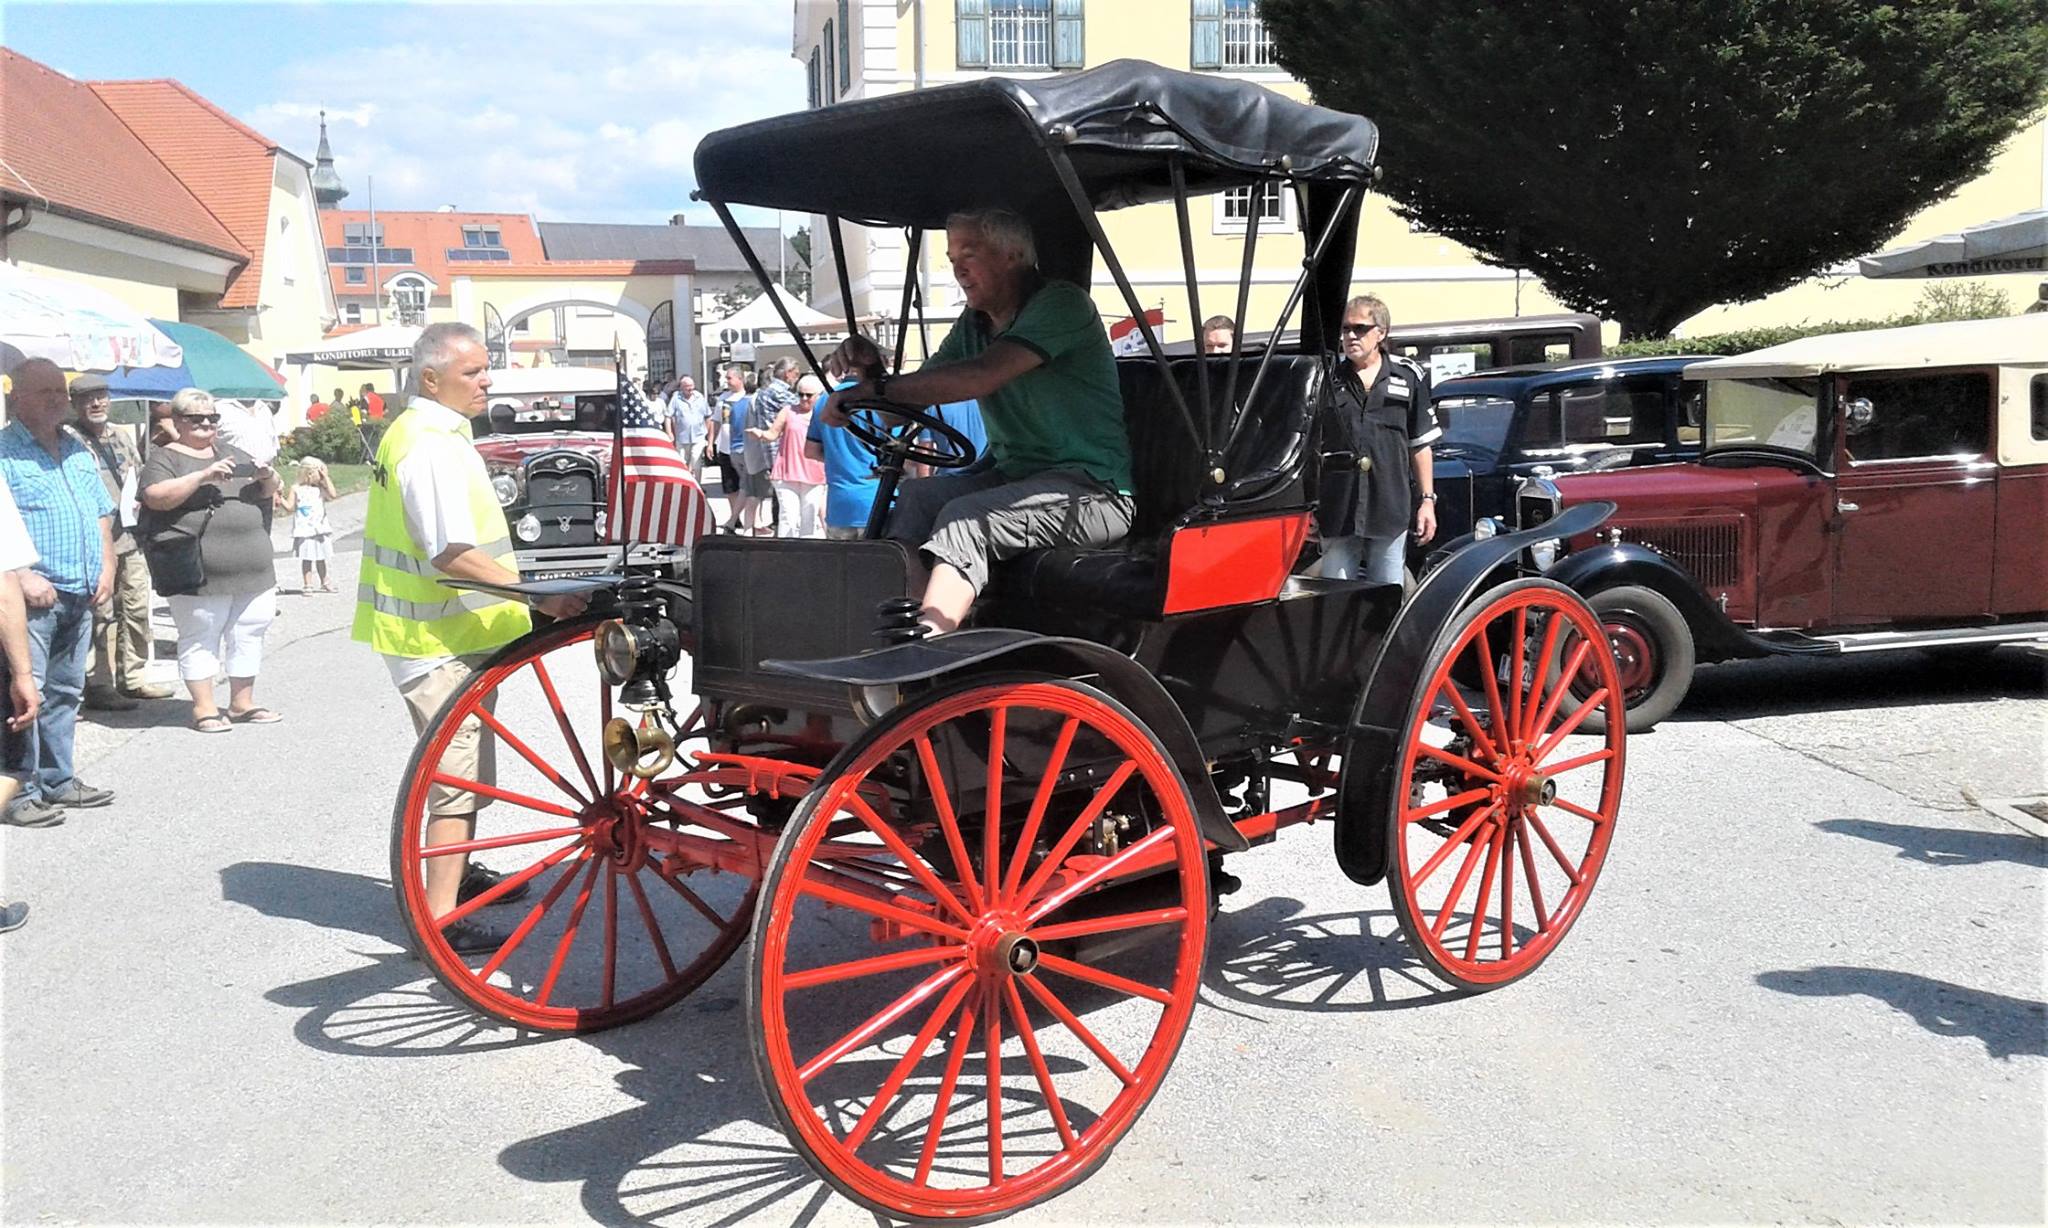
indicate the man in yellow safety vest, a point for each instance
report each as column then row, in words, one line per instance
column 433, row 514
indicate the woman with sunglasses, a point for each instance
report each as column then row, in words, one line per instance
column 196, row 487
column 1380, row 419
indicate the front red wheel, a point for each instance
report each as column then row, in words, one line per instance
column 617, row 896
column 1504, row 806
column 979, row 947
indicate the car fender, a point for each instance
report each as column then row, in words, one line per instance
column 943, row 656
column 1715, row 636
column 1372, row 740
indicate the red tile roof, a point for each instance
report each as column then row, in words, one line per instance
column 63, row 145
column 430, row 235
column 224, row 162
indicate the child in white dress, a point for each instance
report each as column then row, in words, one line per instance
column 311, row 534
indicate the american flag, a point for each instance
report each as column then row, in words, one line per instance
column 652, row 497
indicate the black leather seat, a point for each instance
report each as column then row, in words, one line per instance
column 1169, row 476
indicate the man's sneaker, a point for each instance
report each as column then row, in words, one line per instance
column 474, row 937
column 79, row 795
column 28, row 812
column 13, row 916
column 148, row 690
column 478, row 879
column 106, row 698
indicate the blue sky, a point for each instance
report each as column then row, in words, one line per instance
column 570, row 112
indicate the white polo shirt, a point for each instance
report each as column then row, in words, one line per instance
column 434, row 481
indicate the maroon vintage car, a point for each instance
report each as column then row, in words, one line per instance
column 1859, row 491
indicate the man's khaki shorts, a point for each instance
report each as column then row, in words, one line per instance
column 471, row 753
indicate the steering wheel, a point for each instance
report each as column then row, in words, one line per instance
column 952, row 450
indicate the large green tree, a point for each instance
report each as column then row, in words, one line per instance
column 1650, row 158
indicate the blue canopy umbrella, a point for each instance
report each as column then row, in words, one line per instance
column 211, row 362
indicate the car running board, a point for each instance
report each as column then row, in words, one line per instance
column 1884, row 641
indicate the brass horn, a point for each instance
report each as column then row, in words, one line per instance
column 644, row 750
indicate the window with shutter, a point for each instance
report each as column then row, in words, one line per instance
column 1207, row 48
column 1230, row 35
column 1068, row 47
column 1020, row 34
column 826, row 89
column 845, row 49
column 970, row 27
column 815, row 98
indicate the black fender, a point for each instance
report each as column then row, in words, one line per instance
column 1371, row 743
column 1715, row 637
column 1133, row 686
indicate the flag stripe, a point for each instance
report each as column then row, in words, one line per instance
column 652, row 497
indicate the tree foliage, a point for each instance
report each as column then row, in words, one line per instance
column 1939, row 303
column 1650, row 158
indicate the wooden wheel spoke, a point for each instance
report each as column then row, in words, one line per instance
column 876, row 908
column 1507, row 891
column 1529, row 876
column 885, row 1096
column 911, row 861
column 1073, row 1024
column 1471, row 862
column 1110, row 925
column 661, row 952
column 547, row 686
column 1548, row 713
column 1470, row 719
column 1455, row 800
column 1458, row 761
column 525, row 752
column 568, row 939
column 1493, row 846
column 1550, row 842
column 432, row 851
column 1592, row 816
column 949, row 823
column 1450, row 846
column 889, row 1014
column 1058, row 853
column 611, row 936
column 1108, row 980
column 1130, row 857
column 1558, row 769
column 691, row 898
column 1571, row 724
column 992, row 816
column 1053, row 766
column 503, row 795
column 956, row 1056
column 505, row 886
column 992, row 1045
column 1021, row 1019
column 1518, row 642
column 832, row 974
column 1540, row 673
column 1481, row 648
column 531, row 919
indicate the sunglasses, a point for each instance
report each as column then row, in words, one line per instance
column 201, row 419
column 1358, row 330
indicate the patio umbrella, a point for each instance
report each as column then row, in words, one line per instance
column 77, row 327
column 2016, row 244
column 218, row 365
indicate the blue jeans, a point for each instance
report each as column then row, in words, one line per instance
column 1364, row 558
column 59, row 649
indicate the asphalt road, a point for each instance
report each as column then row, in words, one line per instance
column 1809, row 988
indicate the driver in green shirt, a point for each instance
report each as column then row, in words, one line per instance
column 1058, row 472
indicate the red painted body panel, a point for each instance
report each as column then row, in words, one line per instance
column 2020, row 582
column 1234, row 563
column 511, row 449
column 1916, row 540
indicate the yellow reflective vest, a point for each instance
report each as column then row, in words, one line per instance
column 402, row 608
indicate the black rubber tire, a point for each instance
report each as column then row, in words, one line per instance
column 1648, row 613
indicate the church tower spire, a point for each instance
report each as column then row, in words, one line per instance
column 327, row 186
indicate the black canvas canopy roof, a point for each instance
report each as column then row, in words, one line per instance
column 910, row 159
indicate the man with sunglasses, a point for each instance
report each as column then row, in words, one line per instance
column 1380, row 425
column 69, row 515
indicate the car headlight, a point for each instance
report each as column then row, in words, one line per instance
column 528, row 528
column 600, row 524
column 618, row 651
column 506, row 487
column 1485, row 527
column 1543, row 555
column 1536, row 501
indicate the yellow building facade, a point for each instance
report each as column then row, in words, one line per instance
column 865, row 48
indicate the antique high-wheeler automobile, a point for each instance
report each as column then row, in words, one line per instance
column 978, row 869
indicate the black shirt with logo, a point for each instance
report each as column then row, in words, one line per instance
column 1369, row 494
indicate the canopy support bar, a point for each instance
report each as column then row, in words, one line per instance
column 1071, row 181
column 1311, row 260
column 1179, row 177
column 845, row 282
column 914, row 249
column 760, row 273
column 1244, row 299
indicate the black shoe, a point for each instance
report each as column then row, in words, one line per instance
column 79, row 795
column 474, row 937
column 13, row 916
column 478, row 879
column 108, row 699
column 28, row 812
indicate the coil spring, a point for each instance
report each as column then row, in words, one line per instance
column 896, row 620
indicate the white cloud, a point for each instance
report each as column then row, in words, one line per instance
column 572, row 113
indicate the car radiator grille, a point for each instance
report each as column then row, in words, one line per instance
column 555, row 497
column 1711, row 550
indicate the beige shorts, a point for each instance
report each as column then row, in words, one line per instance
column 471, row 754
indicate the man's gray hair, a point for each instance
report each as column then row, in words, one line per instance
column 189, row 400
column 783, row 369
column 437, row 345
column 1003, row 229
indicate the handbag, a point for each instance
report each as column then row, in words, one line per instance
column 176, row 566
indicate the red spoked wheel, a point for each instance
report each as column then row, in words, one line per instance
column 1028, row 860
column 1503, row 809
column 618, row 895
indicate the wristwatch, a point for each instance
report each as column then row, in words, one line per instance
column 1430, row 497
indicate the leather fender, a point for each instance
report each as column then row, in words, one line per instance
column 1124, row 679
column 1715, row 637
column 1372, row 743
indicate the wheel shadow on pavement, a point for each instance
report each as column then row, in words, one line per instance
column 1269, row 955
column 1945, row 846
column 1787, row 686
column 2006, row 1026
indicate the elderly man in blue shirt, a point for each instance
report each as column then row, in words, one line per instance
column 56, row 484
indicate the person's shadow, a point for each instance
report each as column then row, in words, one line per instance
column 2006, row 1026
column 1945, row 846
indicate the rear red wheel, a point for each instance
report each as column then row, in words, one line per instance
column 1504, row 806
column 634, row 892
column 1029, row 861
